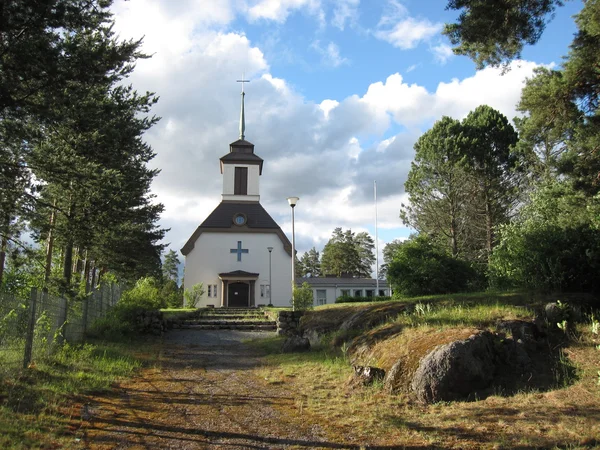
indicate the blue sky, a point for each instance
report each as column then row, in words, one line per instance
column 339, row 92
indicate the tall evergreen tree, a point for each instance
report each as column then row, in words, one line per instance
column 493, row 161
column 170, row 266
column 440, row 186
column 495, row 32
column 310, row 263
column 348, row 254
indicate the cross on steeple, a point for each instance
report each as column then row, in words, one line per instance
column 239, row 250
column 242, row 117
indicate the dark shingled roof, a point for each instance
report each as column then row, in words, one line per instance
column 222, row 216
column 242, row 152
column 238, row 273
column 221, row 220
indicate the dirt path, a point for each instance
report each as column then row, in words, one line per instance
column 200, row 394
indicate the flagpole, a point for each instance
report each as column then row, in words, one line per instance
column 376, row 241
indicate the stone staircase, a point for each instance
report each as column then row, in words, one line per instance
column 242, row 319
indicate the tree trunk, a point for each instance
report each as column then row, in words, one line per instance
column 50, row 247
column 3, row 256
column 488, row 226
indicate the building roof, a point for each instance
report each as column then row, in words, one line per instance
column 238, row 273
column 221, row 220
column 333, row 281
column 256, row 216
column 242, row 152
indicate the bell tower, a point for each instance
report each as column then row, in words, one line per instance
column 241, row 168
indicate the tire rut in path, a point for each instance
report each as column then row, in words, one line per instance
column 201, row 394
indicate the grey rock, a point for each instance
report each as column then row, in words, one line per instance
column 520, row 329
column 392, row 378
column 295, row 344
column 367, row 375
column 555, row 313
column 457, row 370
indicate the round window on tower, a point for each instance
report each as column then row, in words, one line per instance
column 239, row 219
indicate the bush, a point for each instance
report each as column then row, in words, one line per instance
column 547, row 257
column 303, row 297
column 350, row 299
column 171, row 294
column 145, row 294
column 192, row 296
column 120, row 323
column 420, row 267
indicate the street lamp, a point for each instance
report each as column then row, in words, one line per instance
column 270, row 282
column 292, row 201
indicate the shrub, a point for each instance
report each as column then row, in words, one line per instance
column 302, row 297
column 420, row 267
column 192, row 296
column 144, row 294
column 350, row 299
column 171, row 294
column 546, row 257
column 120, row 323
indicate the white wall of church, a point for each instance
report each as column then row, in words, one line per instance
column 229, row 181
column 211, row 255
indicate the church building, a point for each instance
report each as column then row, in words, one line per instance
column 239, row 249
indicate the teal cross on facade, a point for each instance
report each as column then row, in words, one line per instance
column 239, row 250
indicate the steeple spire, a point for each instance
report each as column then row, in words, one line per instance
column 242, row 117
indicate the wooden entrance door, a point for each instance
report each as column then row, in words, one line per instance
column 238, row 295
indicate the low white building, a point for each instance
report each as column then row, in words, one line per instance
column 239, row 248
column 327, row 289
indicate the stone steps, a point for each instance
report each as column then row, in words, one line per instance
column 244, row 319
column 232, row 326
column 230, row 322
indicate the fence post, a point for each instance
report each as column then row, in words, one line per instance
column 30, row 328
column 62, row 319
column 84, row 312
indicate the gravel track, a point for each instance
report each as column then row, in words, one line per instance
column 202, row 393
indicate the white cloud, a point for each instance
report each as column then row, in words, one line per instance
column 401, row 30
column 327, row 105
column 345, row 11
column 442, row 53
column 279, row 10
column 409, row 32
column 330, row 55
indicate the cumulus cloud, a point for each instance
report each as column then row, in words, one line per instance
column 402, row 30
column 279, row 10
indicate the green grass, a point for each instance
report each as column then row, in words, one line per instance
column 319, row 379
column 34, row 407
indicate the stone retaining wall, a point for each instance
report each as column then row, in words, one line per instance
column 288, row 323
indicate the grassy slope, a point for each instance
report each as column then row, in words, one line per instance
column 566, row 414
column 37, row 407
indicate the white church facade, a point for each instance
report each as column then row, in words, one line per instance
column 239, row 249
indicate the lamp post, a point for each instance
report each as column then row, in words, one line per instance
column 270, row 282
column 292, row 201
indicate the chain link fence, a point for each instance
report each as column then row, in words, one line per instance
column 31, row 328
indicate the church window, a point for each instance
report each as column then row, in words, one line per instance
column 382, row 293
column 212, row 290
column 321, row 296
column 262, row 291
column 346, row 292
column 241, row 181
column 358, row 292
column 370, row 292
